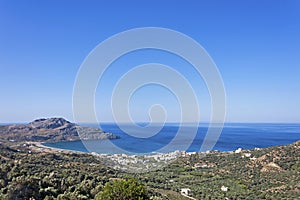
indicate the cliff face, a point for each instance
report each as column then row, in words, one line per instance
column 51, row 130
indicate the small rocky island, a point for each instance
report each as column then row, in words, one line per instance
column 52, row 130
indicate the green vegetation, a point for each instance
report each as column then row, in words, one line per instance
column 271, row 173
column 130, row 189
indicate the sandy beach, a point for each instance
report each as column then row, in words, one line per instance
column 39, row 147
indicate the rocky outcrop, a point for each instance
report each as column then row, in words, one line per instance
column 52, row 130
column 271, row 167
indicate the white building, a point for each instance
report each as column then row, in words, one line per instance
column 238, row 150
column 247, row 155
column 224, row 189
column 185, row 191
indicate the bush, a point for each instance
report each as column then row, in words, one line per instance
column 131, row 189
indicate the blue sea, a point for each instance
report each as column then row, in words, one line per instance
column 233, row 136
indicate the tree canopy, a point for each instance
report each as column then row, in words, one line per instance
column 130, row 189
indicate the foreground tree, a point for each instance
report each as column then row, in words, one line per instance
column 131, row 189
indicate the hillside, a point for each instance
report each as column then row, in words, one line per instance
column 271, row 173
column 51, row 130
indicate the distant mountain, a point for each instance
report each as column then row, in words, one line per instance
column 52, row 130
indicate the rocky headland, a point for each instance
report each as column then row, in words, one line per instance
column 51, row 130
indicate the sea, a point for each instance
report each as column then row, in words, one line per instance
column 232, row 137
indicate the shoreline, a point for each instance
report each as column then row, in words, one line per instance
column 41, row 146
column 38, row 146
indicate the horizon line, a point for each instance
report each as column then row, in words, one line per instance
column 145, row 122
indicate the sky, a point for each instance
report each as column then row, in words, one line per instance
column 254, row 43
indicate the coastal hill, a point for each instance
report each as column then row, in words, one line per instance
column 30, row 172
column 51, row 130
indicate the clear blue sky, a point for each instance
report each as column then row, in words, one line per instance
column 255, row 44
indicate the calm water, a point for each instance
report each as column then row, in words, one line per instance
column 233, row 136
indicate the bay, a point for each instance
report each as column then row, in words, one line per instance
column 233, row 136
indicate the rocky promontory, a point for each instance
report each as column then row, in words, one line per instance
column 52, row 130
